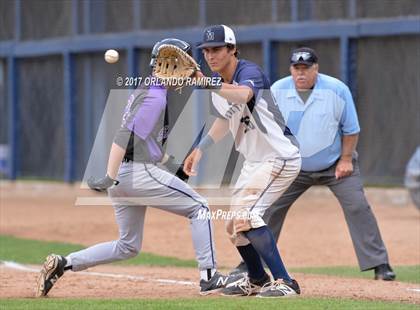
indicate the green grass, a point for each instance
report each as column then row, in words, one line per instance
column 157, row 260
column 27, row 251
column 33, row 252
column 204, row 303
column 404, row 273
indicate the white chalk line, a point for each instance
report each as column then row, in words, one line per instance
column 414, row 289
column 17, row 266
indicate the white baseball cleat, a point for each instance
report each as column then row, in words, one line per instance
column 280, row 288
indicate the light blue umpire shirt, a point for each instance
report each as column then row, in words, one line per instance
column 319, row 124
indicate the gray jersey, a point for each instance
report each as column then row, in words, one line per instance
column 143, row 129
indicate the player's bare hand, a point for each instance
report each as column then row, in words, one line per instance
column 191, row 162
column 198, row 74
column 241, row 224
column 344, row 168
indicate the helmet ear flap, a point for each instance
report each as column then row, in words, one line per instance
column 154, row 53
column 152, row 62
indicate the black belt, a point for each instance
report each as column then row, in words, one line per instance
column 127, row 160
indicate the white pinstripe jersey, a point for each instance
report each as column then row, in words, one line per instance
column 258, row 127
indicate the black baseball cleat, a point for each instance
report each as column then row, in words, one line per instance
column 51, row 271
column 384, row 272
column 245, row 286
column 235, row 277
column 280, row 288
column 215, row 284
column 241, row 268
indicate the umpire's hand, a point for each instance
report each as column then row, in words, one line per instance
column 102, row 184
column 344, row 168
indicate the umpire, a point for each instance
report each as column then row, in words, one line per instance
column 320, row 112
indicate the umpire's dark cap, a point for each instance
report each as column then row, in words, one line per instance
column 218, row 35
column 303, row 55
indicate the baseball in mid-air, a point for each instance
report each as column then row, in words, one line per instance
column 111, row 56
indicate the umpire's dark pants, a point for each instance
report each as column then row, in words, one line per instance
column 364, row 231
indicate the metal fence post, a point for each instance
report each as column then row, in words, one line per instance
column 69, row 118
column 14, row 117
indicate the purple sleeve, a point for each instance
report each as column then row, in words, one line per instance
column 148, row 113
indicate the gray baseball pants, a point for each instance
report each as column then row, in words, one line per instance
column 364, row 231
column 142, row 185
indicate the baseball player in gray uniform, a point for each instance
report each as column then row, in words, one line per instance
column 244, row 106
column 132, row 177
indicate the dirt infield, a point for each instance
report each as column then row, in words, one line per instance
column 315, row 234
column 19, row 284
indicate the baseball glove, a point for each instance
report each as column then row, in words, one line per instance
column 173, row 62
column 102, row 184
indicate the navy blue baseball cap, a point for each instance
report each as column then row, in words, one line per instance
column 218, row 35
column 303, row 55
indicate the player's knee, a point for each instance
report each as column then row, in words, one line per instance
column 200, row 211
column 356, row 206
column 127, row 249
column 132, row 252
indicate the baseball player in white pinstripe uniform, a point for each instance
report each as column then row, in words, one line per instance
column 244, row 106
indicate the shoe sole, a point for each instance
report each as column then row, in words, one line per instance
column 50, row 264
column 283, row 296
column 215, row 291
column 385, row 279
column 237, row 295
